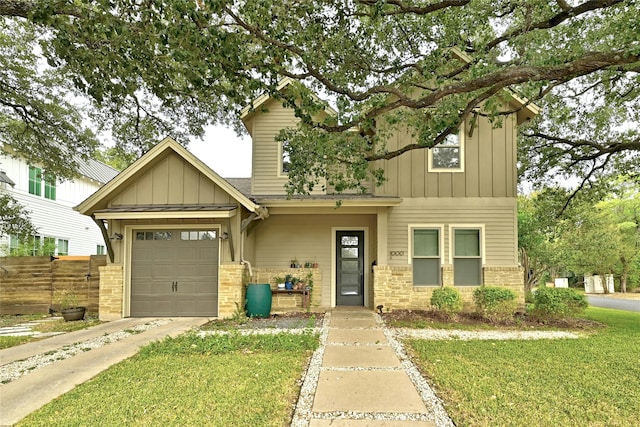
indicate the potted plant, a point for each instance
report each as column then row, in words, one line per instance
column 69, row 307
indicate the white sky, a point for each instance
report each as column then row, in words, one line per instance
column 225, row 152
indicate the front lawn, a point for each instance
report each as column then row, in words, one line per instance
column 591, row 381
column 218, row 380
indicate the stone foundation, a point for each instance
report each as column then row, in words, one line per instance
column 231, row 283
column 393, row 286
column 111, row 292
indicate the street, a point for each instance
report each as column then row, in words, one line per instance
column 616, row 303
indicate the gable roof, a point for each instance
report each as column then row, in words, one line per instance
column 262, row 99
column 97, row 199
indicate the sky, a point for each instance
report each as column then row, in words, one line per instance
column 225, row 152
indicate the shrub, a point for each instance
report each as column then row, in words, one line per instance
column 446, row 300
column 494, row 303
column 558, row 302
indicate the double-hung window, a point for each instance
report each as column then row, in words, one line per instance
column 50, row 187
column 448, row 156
column 285, row 160
column 426, row 256
column 35, row 183
column 467, row 256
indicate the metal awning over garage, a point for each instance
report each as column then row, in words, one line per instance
column 167, row 211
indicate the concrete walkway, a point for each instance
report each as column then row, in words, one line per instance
column 30, row 392
column 359, row 376
column 365, row 379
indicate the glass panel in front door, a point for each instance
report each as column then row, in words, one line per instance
column 350, row 268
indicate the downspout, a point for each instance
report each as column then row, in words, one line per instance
column 259, row 213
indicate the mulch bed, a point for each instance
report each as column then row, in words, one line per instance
column 520, row 320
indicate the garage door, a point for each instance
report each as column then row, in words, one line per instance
column 174, row 273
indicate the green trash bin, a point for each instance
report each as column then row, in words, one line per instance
column 258, row 300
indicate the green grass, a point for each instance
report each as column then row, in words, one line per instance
column 217, row 381
column 592, row 381
column 51, row 326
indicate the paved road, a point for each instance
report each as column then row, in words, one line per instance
column 617, row 303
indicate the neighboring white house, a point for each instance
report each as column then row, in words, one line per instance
column 51, row 204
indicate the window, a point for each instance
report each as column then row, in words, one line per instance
column 198, row 235
column 425, row 257
column 35, row 246
column 285, row 160
column 14, row 244
column 100, row 250
column 49, row 246
column 448, row 155
column 467, row 257
column 50, row 187
column 63, row 247
column 35, row 181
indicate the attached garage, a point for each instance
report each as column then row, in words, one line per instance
column 174, row 273
column 172, row 230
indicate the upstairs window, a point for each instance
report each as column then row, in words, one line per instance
column 35, row 183
column 285, row 160
column 50, row 187
column 448, row 155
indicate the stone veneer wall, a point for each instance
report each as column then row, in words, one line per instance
column 293, row 302
column 393, row 286
column 231, row 281
column 111, row 292
column 510, row 277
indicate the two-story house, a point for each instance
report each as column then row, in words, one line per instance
column 188, row 240
column 61, row 230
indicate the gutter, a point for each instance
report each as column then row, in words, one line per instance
column 260, row 213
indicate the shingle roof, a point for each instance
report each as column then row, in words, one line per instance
column 243, row 185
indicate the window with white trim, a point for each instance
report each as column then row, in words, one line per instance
column 448, row 156
column 426, row 256
column 100, row 250
column 285, row 160
column 35, row 183
column 467, row 256
column 63, row 247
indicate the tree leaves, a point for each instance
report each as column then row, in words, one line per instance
column 172, row 67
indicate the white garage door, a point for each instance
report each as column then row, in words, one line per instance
column 174, row 273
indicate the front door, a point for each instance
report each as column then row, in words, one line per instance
column 350, row 268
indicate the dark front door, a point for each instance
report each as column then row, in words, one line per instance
column 350, row 268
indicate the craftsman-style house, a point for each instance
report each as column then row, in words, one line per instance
column 183, row 241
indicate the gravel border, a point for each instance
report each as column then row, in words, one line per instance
column 302, row 412
column 14, row 370
column 451, row 334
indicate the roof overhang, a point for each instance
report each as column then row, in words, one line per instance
column 325, row 202
column 168, row 212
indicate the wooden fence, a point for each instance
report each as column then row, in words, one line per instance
column 33, row 285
